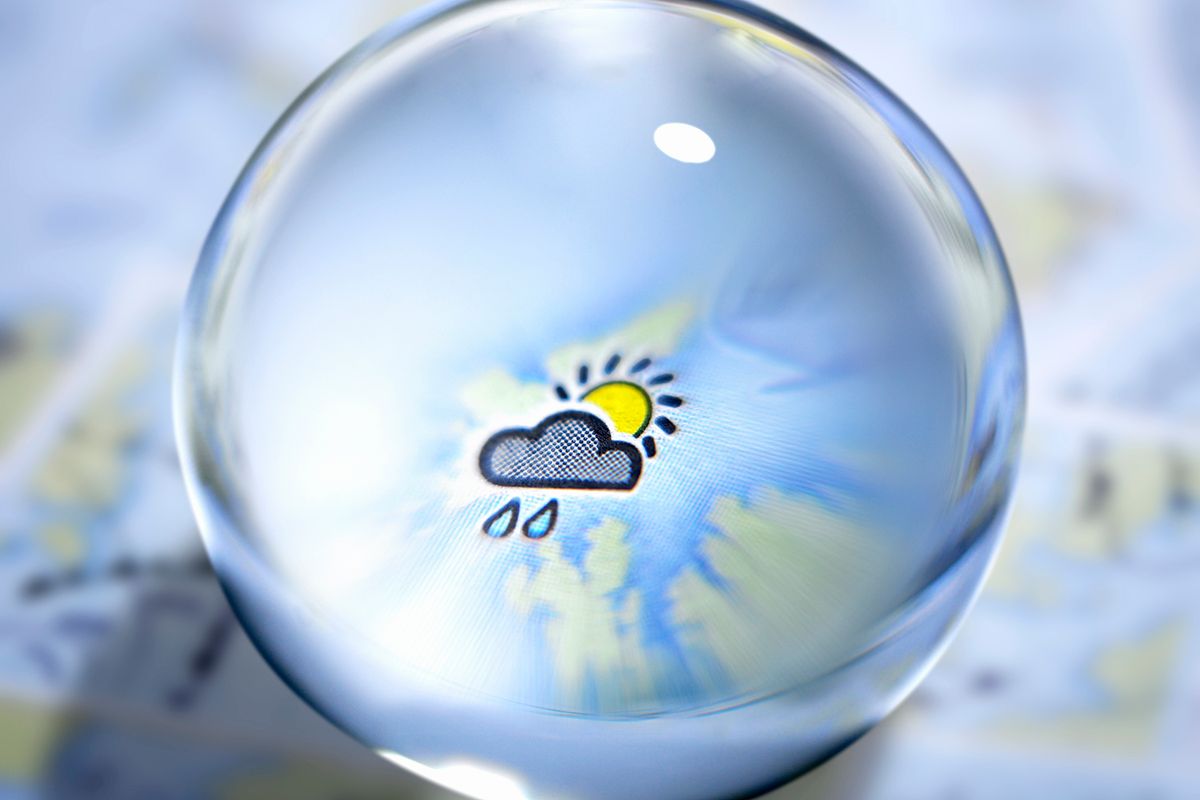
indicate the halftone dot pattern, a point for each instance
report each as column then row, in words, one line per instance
column 568, row 450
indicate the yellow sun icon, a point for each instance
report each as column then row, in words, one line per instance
column 628, row 400
column 576, row 449
column 627, row 405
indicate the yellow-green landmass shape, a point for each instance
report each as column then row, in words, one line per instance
column 800, row 582
column 30, row 360
column 589, row 632
column 1134, row 677
column 497, row 393
column 1139, row 480
column 65, row 541
column 308, row 781
column 86, row 467
column 1011, row 579
column 656, row 333
column 29, row 735
column 1053, row 219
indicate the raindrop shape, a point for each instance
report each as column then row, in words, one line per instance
column 503, row 521
column 542, row 522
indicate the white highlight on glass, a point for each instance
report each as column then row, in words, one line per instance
column 463, row 777
column 684, row 142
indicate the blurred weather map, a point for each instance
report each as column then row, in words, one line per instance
column 122, row 672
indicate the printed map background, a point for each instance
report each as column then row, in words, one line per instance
column 122, row 673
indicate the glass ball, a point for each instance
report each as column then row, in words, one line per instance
column 615, row 398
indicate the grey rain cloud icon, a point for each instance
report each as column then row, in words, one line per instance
column 567, row 450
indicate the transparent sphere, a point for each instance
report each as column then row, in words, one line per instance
column 600, row 398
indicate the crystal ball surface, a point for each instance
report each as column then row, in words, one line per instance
column 600, row 399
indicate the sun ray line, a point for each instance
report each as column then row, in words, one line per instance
column 658, row 380
column 649, row 446
column 613, row 361
column 667, row 426
column 583, row 374
column 639, row 366
column 561, row 391
column 669, row 400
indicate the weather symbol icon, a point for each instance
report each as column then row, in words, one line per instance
column 578, row 449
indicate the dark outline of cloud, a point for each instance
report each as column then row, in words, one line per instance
column 604, row 444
